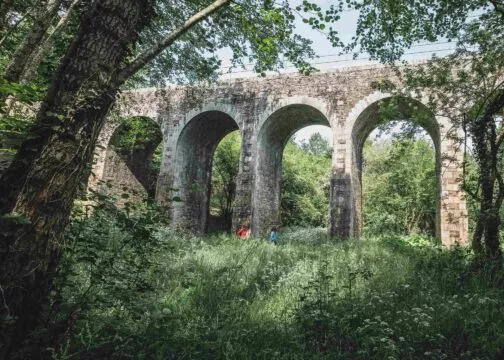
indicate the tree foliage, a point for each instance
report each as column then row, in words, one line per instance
column 256, row 32
column 224, row 173
column 397, row 196
column 465, row 86
column 110, row 42
column 317, row 145
column 305, row 183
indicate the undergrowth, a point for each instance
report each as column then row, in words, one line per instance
column 136, row 289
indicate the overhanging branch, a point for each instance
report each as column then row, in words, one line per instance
column 168, row 40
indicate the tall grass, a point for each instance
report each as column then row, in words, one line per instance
column 309, row 297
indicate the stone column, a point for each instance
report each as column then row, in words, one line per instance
column 242, row 212
column 267, row 187
column 342, row 197
column 164, row 186
column 100, row 154
column 453, row 227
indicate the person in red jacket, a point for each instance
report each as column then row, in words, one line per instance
column 243, row 232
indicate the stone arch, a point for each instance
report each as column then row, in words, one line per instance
column 192, row 166
column 212, row 107
column 275, row 130
column 316, row 103
column 364, row 118
column 108, row 165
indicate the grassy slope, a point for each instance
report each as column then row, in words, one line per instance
column 376, row 298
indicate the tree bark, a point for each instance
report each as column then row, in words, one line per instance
column 488, row 223
column 31, row 41
column 37, row 55
column 486, row 234
column 41, row 183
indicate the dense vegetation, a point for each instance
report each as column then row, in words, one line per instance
column 130, row 287
column 119, row 284
column 305, row 186
column 397, row 197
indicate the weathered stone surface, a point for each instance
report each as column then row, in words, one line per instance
column 267, row 111
column 118, row 179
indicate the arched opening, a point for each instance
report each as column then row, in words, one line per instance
column 399, row 186
column 306, row 173
column 133, row 159
column 225, row 166
column 273, row 137
column 193, row 167
column 412, row 115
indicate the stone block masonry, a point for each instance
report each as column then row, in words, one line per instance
column 267, row 111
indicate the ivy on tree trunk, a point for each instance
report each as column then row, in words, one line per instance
column 42, row 181
column 486, row 144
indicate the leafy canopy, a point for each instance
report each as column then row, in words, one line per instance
column 254, row 31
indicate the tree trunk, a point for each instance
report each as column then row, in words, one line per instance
column 41, row 183
column 31, row 42
column 38, row 55
column 488, row 222
column 486, row 234
column 5, row 8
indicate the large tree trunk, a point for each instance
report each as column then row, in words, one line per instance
column 41, row 183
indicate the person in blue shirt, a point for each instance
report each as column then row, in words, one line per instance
column 274, row 235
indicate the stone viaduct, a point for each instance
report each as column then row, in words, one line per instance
column 267, row 111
